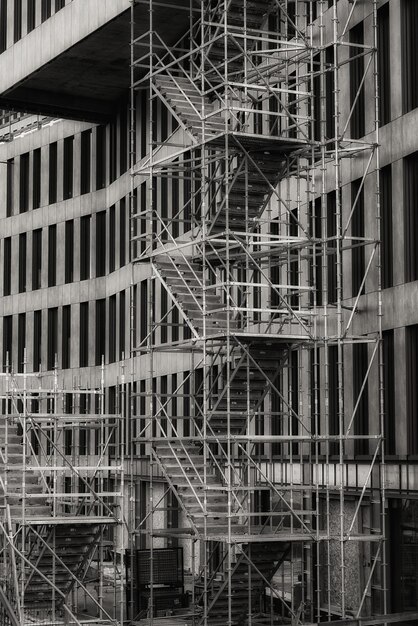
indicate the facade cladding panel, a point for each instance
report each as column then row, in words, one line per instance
column 69, row 301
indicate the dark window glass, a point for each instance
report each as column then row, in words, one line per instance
column 332, row 246
column 100, row 157
column 409, row 46
column 52, row 256
column 112, row 239
column 37, row 259
column 24, row 183
column 389, row 390
column 411, row 217
column 122, row 332
column 356, row 77
column 112, row 151
column 69, row 251
column 46, row 10
column 386, row 226
column 403, row 546
column 357, row 230
column 122, row 231
column 3, row 25
column 53, row 172
column 333, row 406
column 66, row 336
column 85, row 247
column 37, row 339
column 294, row 399
column 411, row 387
column 383, row 59
column 17, row 20
column 112, row 329
column 361, row 419
column 7, row 341
column 59, row 4
column 316, row 264
column 329, row 95
column 36, row 186
column 101, row 243
column 123, row 163
column 100, row 330
column 7, row 267
column 85, row 162
column 52, row 344
column 68, row 168
column 21, row 341
column 31, row 14
column 22, row 262
column 84, row 334
column 10, row 187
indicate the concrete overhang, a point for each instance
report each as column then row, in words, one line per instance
column 76, row 64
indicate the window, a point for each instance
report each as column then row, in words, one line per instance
column 383, row 60
column 329, row 91
column 294, row 399
column 357, row 230
column 112, row 329
column 316, row 264
column 411, row 341
column 31, row 14
column 112, row 151
column 85, row 162
column 36, row 186
column 36, row 259
column 100, row 330
column 389, row 390
column 37, row 338
column 45, row 10
column 10, row 187
column 17, row 20
column 59, row 4
column 66, row 336
column 356, row 86
column 143, row 315
column 101, row 243
column 361, row 398
column 411, row 217
column 53, row 172
column 386, row 233
column 122, row 333
column 122, row 232
column 68, row 168
column 24, row 183
column 112, row 239
column 85, row 247
column 7, row 341
column 409, row 55
column 123, row 140
column 52, row 345
column 332, row 246
column 333, row 405
column 100, row 157
column 7, row 266
column 21, row 341
column 52, row 256
column 69, row 251
column 22, row 262
column 403, row 547
column 84, row 334
column 3, row 25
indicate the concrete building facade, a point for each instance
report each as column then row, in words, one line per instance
column 118, row 216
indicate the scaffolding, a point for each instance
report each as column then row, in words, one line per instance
column 62, row 484
column 245, row 223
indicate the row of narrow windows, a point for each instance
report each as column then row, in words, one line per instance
column 37, row 12
column 102, row 322
column 24, row 188
column 98, row 251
